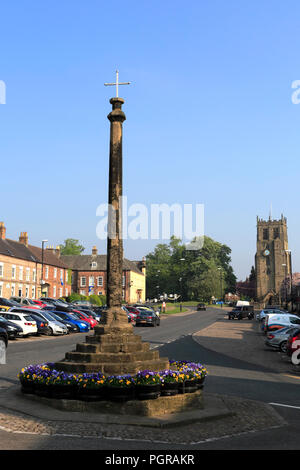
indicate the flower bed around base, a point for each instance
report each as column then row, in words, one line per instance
column 45, row 380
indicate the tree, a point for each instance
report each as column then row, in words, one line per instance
column 71, row 247
column 194, row 274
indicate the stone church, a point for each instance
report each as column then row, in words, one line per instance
column 272, row 262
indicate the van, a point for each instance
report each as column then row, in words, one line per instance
column 275, row 321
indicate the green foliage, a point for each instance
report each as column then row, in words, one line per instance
column 95, row 300
column 74, row 296
column 193, row 274
column 71, row 246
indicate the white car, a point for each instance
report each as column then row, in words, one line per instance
column 24, row 320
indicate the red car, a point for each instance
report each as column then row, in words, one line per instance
column 293, row 343
column 85, row 317
column 39, row 303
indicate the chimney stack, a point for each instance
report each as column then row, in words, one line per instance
column 94, row 251
column 23, row 238
column 2, row 231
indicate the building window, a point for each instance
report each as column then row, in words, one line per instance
column 33, row 292
column 26, row 291
column 266, row 234
column 54, row 291
column 13, row 290
column 123, row 280
column 34, row 275
column 1, row 269
column 20, row 273
column 82, row 292
column 1, row 289
column 13, row 272
column 276, row 233
column 46, row 272
column 20, row 292
column 54, row 273
column 94, row 264
column 27, row 274
column 83, row 281
column 100, row 281
column 60, row 292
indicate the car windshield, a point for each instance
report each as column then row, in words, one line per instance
column 48, row 316
column 75, row 314
column 2, row 318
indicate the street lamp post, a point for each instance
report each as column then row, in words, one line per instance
column 221, row 286
column 285, row 287
column 42, row 271
column 180, row 280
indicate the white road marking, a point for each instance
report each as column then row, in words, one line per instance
column 286, row 406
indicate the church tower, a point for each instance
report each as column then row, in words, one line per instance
column 272, row 260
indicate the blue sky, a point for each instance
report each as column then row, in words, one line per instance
column 210, row 118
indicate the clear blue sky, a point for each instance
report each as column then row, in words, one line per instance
column 209, row 115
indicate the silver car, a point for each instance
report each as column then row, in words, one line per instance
column 54, row 326
column 278, row 339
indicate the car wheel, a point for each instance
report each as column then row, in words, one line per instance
column 282, row 346
column 49, row 332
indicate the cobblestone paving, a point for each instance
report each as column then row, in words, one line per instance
column 250, row 416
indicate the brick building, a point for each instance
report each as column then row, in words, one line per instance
column 89, row 276
column 21, row 269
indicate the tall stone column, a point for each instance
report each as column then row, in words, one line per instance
column 115, row 316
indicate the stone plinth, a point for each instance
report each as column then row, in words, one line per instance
column 112, row 352
column 162, row 406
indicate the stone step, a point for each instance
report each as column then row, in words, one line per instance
column 113, row 369
column 111, row 357
column 113, row 348
column 111, row 339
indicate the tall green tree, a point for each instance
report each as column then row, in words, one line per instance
column 194, row 274
column 71, row 246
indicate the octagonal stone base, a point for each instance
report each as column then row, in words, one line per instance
column 159, row 407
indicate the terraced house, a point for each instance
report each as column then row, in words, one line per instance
column 89, row 276
column 21, row 267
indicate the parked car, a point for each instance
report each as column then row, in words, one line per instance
column 244, row 311
column 147, row 309
column 55, row 302
column 54, row 327
column 147, row 318
column 275, row 321
column 12, row 329
column 96, row 316
column 201, row 306
column 23, row 319
column 4, row 308
column 293, row 342
column 71, row 327
column 24, row 302
column 8, row 303
column 278, row 339
column 267, row 311
column 42, row 325
column 40, row 303
column 131, row 316
column 81, row 326
column 133, row 310
column 83, row 316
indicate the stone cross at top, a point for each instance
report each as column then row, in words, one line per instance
column 117, row 84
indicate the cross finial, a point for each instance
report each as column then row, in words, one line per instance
column 117, row 84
